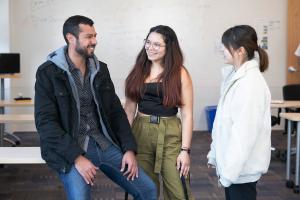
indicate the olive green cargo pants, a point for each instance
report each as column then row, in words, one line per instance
column 158, row 148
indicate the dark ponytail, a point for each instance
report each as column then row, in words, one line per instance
column 245, row 36
column 263, row 59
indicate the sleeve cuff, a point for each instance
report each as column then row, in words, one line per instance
column 129, row 148
column 74, row 154
column 225, row 182
column 211, row 161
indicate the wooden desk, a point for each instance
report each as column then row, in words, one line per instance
column 20, row 155
column 17, row 155
column 13, row 118
column 286, row 104
column 296, row 118
column 16, row 75
column 12, row 103
column 16, row 118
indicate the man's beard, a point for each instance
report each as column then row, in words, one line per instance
column 84, row 51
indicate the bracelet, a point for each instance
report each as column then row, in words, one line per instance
column 188, row 150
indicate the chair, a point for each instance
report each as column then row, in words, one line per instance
column 275, row 120
column 291, row 93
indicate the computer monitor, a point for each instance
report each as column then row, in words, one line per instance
column 9, row 63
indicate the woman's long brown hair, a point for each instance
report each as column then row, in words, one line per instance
column 170, row 77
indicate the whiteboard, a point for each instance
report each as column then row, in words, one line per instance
column 36, row 30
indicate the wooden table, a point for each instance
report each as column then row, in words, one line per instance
column 285, row 104
column 13, row 118
column 16, row 118
column 17, row 155
column 296, row 118
column 12, row 103
column 20, row 155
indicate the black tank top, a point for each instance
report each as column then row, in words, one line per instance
column 152, row 101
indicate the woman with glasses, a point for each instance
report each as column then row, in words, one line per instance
column 155, row 88
column 241, row 145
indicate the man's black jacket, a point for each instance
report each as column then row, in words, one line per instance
column 56, row 115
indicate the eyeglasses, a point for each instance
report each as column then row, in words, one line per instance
column 156, row 46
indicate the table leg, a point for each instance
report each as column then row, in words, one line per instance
column 1, row 134
column 289, row 182
column 296, row 188
column 1, row 128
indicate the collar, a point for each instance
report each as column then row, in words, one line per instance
column 232, row 76
column 246, row 66
column 71, row 65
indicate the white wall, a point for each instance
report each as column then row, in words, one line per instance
column 4, row 34
column 4, row 24
column 36, row 30
column 5, row 41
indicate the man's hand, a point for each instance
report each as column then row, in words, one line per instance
column 129, row 165
column 86, row 169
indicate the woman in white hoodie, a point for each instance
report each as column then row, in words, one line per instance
column 241, row 137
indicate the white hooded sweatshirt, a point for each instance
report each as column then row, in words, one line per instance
column 241, row 136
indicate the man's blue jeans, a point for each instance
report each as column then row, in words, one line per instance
column 109, row 162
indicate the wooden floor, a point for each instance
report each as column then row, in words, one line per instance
column 37, row 182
